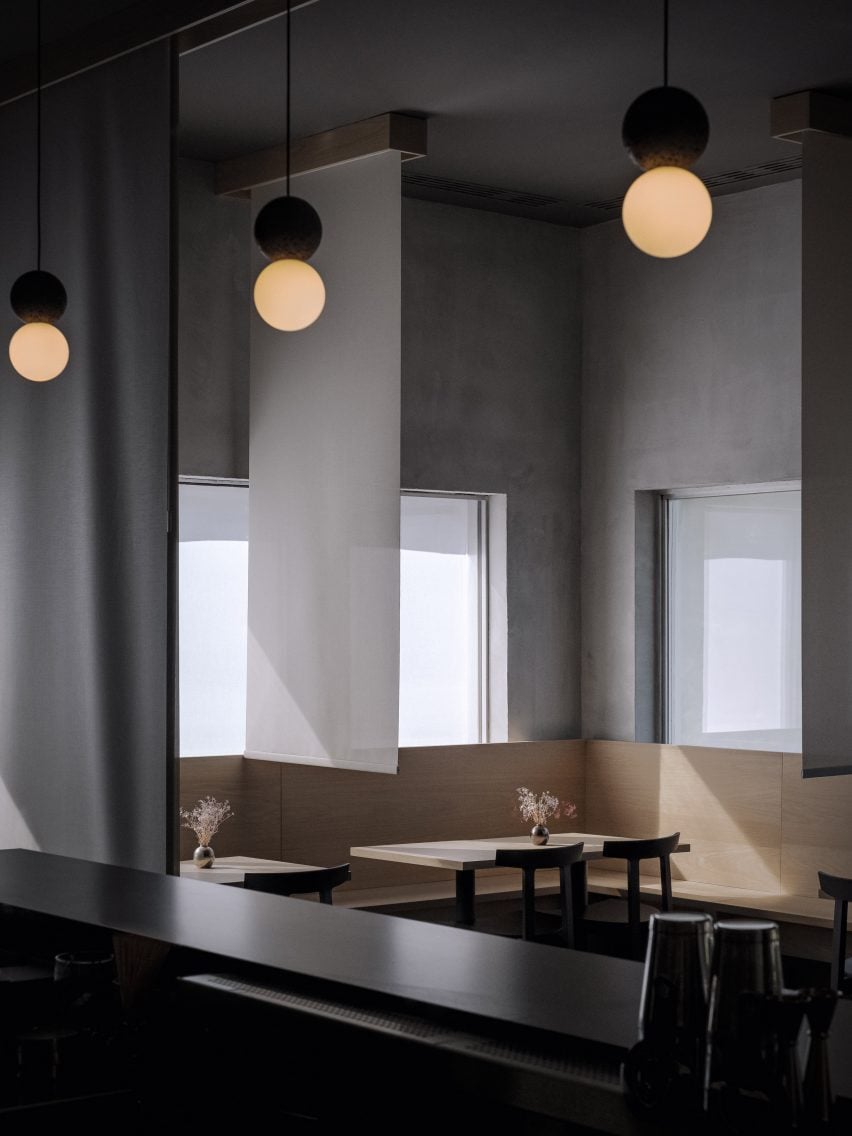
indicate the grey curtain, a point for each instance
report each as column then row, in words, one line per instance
column 84, row 751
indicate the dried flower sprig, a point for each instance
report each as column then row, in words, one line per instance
column 539, row 809
column 206, row 818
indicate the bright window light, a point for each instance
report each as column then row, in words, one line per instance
column 734, row 638
column 213, row 621
column 442, row 616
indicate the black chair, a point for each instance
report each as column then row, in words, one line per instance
column 322, row 880
column 529, row 860
column 839, row 889
column 616, row 916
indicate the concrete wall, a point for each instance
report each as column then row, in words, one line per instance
column 490, row 403
column 215, row 313
column 491, row 357
column 691, row 376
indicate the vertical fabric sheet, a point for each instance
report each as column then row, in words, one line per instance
column 323, row 644
column 83, row 473
column 826, row 456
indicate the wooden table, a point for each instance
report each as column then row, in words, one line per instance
column 464, row 857
column 233, row 869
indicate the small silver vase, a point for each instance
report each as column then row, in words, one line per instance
column 203, row 856
column 540, row 834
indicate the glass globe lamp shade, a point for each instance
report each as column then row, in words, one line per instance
column 667, row 211
column 39, row 351
column 289, row 294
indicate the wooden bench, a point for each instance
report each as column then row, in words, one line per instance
column 806, row 922
column 489, row 885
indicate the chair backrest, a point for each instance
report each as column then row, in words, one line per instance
column 649, row 849
column 633, row 851
column 838, row 888
column 321, row 880
column 529, row 860
column 555, row 856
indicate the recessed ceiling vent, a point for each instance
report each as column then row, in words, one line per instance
column 718, row 181
column 483, row 192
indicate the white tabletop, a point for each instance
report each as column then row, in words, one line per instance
column 232, row 869
column 467, row 855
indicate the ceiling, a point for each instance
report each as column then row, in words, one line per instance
column 524, row 97
column 60, row 19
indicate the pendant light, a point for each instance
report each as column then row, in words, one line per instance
column 289, row 293
column 38, row 350
column 667, row 211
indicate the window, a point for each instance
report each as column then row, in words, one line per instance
column 213, row 620
column 443, row 619
column 732, row 635
column 444, row 693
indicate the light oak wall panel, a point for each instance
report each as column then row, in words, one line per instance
column 254, row 790
column 725, row 803
column 313, row 815
column 816, row 828
column 440, row 793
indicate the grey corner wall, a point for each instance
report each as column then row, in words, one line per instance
column 691, row 376
column 490, row 403
column 214, row 315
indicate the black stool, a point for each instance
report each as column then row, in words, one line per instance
column 838, row 888
column 528, row 860
column 618, row 915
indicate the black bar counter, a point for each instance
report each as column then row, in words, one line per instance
column 541, row 988
column 278, row 1001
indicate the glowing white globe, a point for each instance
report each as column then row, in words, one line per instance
column 289, row 294
column 39, row 351
column 667, row 211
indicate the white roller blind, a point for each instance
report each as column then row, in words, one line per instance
column 442, row 610
column 213, row 585
column 735, row 655
column 323, row 607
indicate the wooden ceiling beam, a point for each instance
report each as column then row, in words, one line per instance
column 401, row 132
column 795, row 115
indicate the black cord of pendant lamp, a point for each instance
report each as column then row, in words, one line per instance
column 38, row 134
column 287, row 98
column 665, row 43
column 667, row 210
column 38, row 350
column 289, row 293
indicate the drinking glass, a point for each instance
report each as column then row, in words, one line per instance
column 84, row 985
column 665, row 1070
column 746, row 975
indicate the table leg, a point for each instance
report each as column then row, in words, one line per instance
column 465, row 893
column 579, row 893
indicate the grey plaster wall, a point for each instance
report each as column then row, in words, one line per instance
column 215, row 314
column 691, row 376
column 490, row 403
